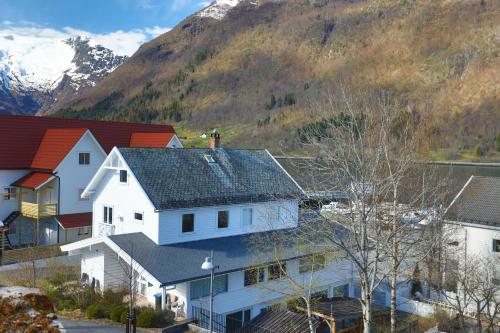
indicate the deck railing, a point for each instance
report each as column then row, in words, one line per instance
column 106, row 229
column 34, row 211
column 31, row 253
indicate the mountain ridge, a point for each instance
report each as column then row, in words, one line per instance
column 258, row 70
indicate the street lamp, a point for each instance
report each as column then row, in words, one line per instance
column 208, row 265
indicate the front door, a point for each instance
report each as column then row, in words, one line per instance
column 236, row 320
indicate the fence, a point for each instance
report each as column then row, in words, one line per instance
column 202, row 318
column 8, row 257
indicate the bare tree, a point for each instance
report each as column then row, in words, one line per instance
column 363, row 145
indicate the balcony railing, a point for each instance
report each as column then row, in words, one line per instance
column 32, row 210
column 106, row 229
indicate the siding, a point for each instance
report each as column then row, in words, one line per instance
column 125, row 200
column 206, row 221
column 7, row 177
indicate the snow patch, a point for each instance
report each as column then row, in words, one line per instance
column 218, row 9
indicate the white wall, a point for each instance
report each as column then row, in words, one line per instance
column 7, row 177
column 74, row 176
column 125, row 200
column 174, row 143
column 205, row 225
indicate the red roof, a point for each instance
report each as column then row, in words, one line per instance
column 33, row 180
column 150, row 140
column 55, row 145
column 78, row 220
column 21, row 136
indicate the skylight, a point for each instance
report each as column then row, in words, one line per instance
column 209, row 158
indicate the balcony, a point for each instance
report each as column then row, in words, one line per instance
column 36, row 211
column 106, row 229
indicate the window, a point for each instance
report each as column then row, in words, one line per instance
column 85, row 278
column 247, row 216
column 9, row 193
column 83, row 231
column 496, row 245
column 253, row 276
column 341, row 291
column 138, row 216
column 274, row 213
column 310, row 263
column 201, row 288
column 108, row 215
column 187, row 223
column 277, row 271
column 123, row 176
column 223, row 219
column 80, row 192
column 84, row 158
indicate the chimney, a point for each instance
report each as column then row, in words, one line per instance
column 214, row 139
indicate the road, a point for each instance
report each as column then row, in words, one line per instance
column 80, row 326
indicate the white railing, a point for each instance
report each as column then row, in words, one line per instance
column 106, row 229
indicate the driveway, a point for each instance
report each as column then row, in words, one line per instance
column 80, row 326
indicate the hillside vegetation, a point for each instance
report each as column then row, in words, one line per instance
column 259, row 72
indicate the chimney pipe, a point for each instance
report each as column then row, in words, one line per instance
column 214, row 139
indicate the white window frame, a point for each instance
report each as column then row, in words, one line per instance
column 217, row 219
column 243, row 216
column 84, row 152
column 105, row 217
column 8, row 191
column 194, row 223
column 142, row 214
column 275, row 213
column 120, row 176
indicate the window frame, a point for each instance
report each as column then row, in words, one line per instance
column 207, row 281
column 496, row 245
column 182, row 223
column 306, row 265
column 281, row 267
column 275, row 213
column 226, row 211
column 123, row 172
column 10, row 193
column 135, row 216
column 105, row 217
column 259, row 276
column 243, row 210
column 86, row 161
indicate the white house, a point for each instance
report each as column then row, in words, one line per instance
column 45, row 164
column 162, row 211
column 474, row 215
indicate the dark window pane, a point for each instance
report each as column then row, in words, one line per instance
column 223, row 219
column 138, row 216
column 105, row 214
column 123, row 176
column 277, row 271
column 188, row 223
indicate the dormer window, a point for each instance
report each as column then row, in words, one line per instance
column 223, row 219
column 209, row 158
column 496, row 245
column 123, row 176
column 84, row 158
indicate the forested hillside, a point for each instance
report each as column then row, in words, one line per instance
column 257, row 72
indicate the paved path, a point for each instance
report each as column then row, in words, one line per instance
column 80, row 326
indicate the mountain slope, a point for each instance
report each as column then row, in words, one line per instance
column 36, row 72
column 257, row 70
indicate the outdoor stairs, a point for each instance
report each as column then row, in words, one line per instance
column 4, row 238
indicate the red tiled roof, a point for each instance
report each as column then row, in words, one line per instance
column 78, row 220
column 20, row 136
column 150, row 140
column 33, row 180
column 55, row 145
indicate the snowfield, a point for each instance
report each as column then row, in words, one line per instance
column 34, row 63
column 218, row 9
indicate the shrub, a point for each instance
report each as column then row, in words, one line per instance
column 110, row 297
column 96, row 311
column 116, row 313
column 66, row 304
column 147, row 317
column 123, row 317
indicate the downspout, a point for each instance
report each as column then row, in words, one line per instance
column 58, row 203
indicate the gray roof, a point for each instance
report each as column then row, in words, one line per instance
column 181, row 262
column 278, row 321
column 478, row 203
column 178, row 178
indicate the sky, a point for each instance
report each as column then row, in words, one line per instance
column 121, row 25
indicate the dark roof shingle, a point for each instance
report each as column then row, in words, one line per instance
column 178, row 178
column 479, row 202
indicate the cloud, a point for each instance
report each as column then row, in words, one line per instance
column 204, row 4
column 178, row 5
column 121, row 42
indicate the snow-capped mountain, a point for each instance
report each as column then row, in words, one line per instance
column 218, row 9
column 36, row 72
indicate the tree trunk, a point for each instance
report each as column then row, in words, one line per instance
column 394, row 272
column 366, row 305
column 478, row 317
column 309, row 316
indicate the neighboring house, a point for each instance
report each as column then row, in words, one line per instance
column 162, row 211
column 45, row 164
column 475, row 212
